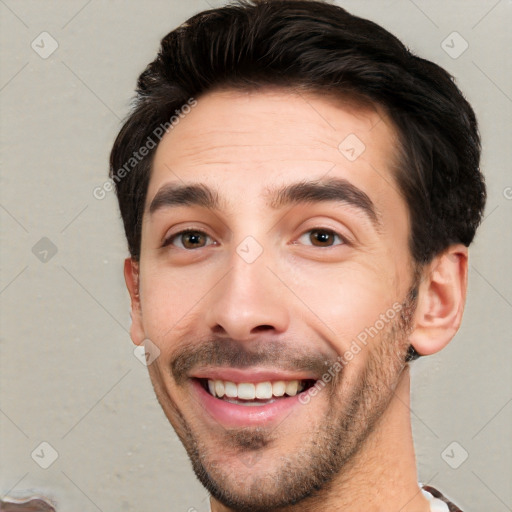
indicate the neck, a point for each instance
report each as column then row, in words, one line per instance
column 382, row 476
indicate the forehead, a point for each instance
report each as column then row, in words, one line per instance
column 236, row 141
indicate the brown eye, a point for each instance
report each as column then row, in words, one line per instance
column 188, row 240
column 321, row 238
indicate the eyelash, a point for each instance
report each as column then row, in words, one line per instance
column 168, row 241
column 342, row 239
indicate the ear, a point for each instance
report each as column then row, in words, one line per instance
column 131, row 277
column 441, row 299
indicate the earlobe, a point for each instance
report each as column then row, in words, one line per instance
column 131, row 277
column 441, row 299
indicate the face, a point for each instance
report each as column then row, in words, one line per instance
column 274, row 279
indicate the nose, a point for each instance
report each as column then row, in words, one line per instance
column 247, row 302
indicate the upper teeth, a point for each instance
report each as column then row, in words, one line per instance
column 250, row 391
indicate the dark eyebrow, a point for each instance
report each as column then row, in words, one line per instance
column 184, row 195
column 333, row 189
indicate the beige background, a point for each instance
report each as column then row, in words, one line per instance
column 68, row 373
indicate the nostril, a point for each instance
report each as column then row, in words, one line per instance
column 263, row 328
column 218, row 329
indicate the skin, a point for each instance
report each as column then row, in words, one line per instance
column 298, row 304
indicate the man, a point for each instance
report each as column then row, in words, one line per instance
column 298, row 193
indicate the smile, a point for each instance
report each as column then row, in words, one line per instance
column 254, row 393
column 249, row 398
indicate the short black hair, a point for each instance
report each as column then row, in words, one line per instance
column 319, row 47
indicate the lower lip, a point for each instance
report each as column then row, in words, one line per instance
column 234, row 415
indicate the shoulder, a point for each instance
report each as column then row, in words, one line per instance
column 435, row 496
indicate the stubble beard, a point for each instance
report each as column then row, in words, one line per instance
column 326, row 453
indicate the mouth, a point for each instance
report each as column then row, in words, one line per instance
column 255, row 393
column 238, row 398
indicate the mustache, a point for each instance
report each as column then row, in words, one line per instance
column 277, row 354
column 226, row 352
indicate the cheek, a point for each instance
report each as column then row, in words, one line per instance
column 348, row 299
column 170, row 298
